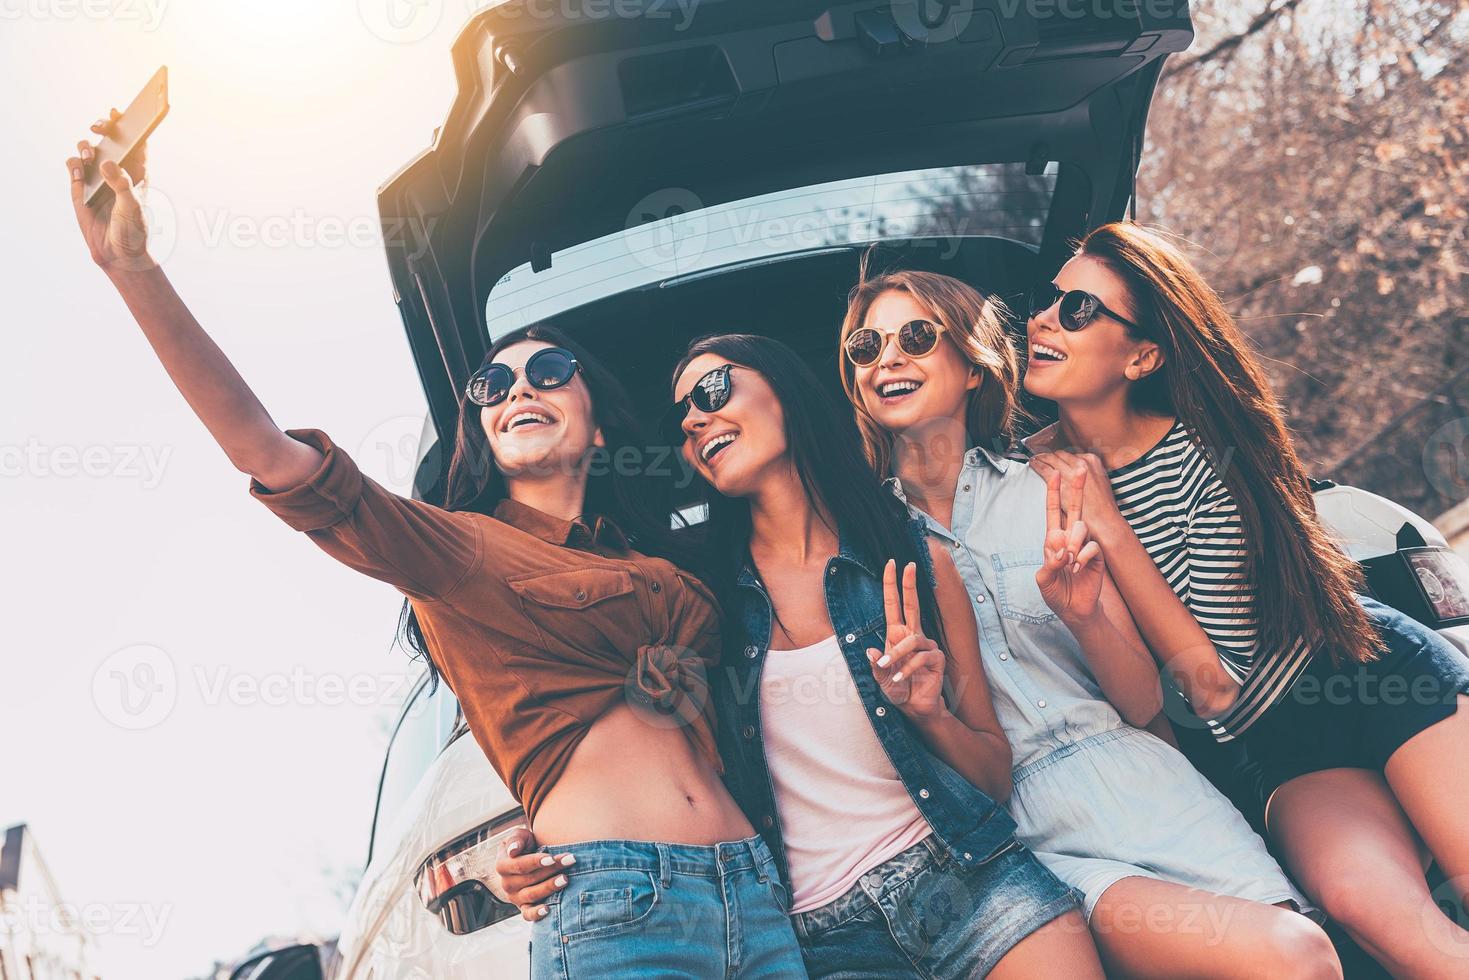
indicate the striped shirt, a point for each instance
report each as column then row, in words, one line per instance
column 1187, row 520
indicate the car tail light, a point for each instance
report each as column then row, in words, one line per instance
column 455, row 883
column 1429, row 583
column 1443, row 576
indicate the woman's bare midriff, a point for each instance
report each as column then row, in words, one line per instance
column 631, row 780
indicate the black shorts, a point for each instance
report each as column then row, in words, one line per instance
column 1354, row 716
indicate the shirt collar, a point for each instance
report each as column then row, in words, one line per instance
column 555, row 530
column 974, row 457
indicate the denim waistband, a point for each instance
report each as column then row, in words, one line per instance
column 704, row 860
column 870, row 887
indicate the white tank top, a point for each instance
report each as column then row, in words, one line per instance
column 843, row 810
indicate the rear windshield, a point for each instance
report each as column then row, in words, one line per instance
column 670, row 235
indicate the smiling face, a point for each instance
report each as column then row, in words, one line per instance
column 900, row 391
column 736, row 448
column 534, row 432
column 1100, row 360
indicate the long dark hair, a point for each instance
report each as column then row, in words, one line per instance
column 1212, row 381
column 826, row 450
column 638, row 499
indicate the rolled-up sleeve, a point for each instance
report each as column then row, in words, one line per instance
column 422, row 550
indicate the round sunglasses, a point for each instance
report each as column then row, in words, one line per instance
column 709, row 394
column 1078, row 307
column 916, row 338
column 546, row 369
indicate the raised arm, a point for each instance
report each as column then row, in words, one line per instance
column 312, row 485
column 117, row 237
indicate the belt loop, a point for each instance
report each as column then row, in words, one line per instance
column 665, row 865
column 753, row 846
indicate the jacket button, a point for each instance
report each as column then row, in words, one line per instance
column 1004, row 656
column 966, row 488
column 751, row 652
column 832, row 571
column 851, row 637
column 767, row 822
column 979, row 598
column 657, row 587
column 968, row 856
column 923, row 793
column 749, row 731
column 881, row 711
column 1041, row 703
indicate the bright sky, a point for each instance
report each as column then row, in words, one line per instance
column 231, row 804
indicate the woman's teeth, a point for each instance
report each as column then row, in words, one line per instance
column 528, row 418
column 891, row 389
column 1042, row 352
column 715, row 445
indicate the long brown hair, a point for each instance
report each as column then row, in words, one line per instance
column 1212, row 381
column 976, row 325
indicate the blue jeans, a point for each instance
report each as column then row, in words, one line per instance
column 635, row 909
column 921, row 914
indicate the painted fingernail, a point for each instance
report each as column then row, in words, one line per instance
column 567, row 860
column 884, row 660
column 547, row 861
column 898, row 676
column 541, row 914
column 560, row 881
column 76, row 173
column 512, row 847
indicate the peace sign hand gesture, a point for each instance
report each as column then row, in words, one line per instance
column 1070, row 578
column 910, row 671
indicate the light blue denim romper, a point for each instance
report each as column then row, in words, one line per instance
column 1096, row 799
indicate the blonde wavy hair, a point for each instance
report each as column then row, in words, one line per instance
column 971, row 321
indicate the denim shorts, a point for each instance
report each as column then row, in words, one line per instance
column 1354, row 716
column 923, row 914
column 636, row 909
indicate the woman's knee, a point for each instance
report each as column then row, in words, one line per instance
column 1298, row 948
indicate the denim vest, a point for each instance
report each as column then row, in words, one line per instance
column 970, row 824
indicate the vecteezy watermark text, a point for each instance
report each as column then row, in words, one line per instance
column 34, row 458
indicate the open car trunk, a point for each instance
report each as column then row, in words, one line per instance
column 572, row 136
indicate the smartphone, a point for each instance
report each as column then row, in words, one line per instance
column 131, row 128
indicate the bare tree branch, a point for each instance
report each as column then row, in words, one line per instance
column 1230, row 44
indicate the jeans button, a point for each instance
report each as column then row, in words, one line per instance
column 923, row 793
column 751, row 652
column 851, row 637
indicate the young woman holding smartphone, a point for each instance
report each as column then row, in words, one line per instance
column 1345, row 712
column 568, row 649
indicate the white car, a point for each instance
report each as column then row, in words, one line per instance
column 647, row 172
